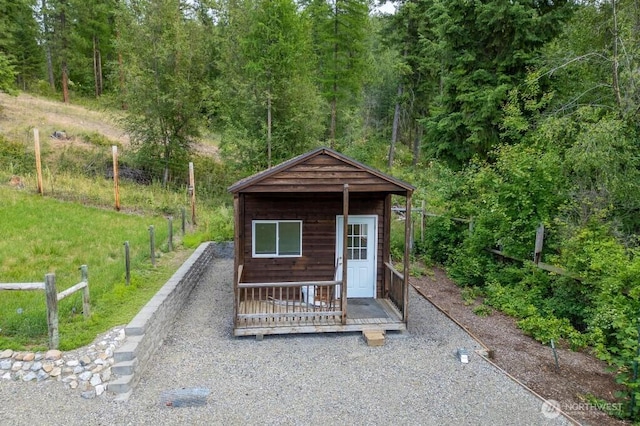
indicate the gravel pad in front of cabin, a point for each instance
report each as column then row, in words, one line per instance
column 322, row 379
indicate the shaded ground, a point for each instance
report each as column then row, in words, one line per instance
column 527, row 360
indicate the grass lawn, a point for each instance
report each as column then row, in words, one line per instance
column 42, row 235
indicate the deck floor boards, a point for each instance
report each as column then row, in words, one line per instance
column 378, row 314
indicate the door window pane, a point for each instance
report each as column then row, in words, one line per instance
column 357, row 241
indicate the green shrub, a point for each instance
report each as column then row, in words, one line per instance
column 482, row 310
column 98, row 139
column 543, row 329
column 15, row 158
column 441, row 236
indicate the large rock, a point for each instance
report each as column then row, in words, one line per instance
column 29, row 376
column 7, row 353
column 53, row 355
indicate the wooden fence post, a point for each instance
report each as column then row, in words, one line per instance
column 184, row 220
column 127, row 263
column 86, row 300
column 52, row 310
column 152, row 245
column 36, row 139
column 192, row 193
column 116, row 188
column 537, row 254
column 422, row 222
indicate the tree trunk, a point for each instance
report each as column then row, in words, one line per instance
column 97, row 66
column 121, row 74
column 394, row 128
column 416, row 143
column 269, row 129
column 334, row 100
column 65, row 71
column 65, row 83
column 616, row 82
column 165, row 172
column 332, row 128
column 47, row 46
column 100, row 79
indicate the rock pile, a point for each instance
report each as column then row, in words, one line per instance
column 87, row 369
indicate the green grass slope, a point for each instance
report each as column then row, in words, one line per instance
column 40, row 235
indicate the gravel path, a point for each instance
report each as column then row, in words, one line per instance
column 326, row 379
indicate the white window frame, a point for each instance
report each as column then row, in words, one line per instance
column 277, row 223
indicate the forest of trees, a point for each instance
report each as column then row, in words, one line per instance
column 514, row 113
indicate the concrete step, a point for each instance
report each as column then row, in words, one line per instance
column 127, row 352
column 125, row 368
column 120, row 385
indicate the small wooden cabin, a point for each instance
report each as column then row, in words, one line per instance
column 294, row 225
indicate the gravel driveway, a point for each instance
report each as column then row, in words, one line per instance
column 415, row 378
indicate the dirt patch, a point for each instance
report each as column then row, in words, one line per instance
column 531, row 363
column 19, row 114
column 23, row 112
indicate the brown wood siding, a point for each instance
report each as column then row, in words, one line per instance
column 323, row 173
column 318, row 214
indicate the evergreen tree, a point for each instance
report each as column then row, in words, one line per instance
column 485, row 50
column 92, row 40
column 7, row 75
column 164, row 75
column 340, row 29
column 19, row 39
column 270, row 103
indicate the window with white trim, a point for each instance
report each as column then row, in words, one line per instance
column 276, row 238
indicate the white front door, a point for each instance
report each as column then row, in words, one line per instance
column 361, row 254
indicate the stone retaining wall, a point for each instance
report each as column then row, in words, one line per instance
column 147, row 330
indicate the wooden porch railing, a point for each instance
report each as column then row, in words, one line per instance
column 284, row 302
column 396, row 290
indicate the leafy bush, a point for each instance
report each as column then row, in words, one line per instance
column 543, row 329
column 15, row 158
column 441, row 236
column 482, row 310
column 98, row 139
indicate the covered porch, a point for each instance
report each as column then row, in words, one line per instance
column 284, row 308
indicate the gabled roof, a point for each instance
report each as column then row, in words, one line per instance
column 321, row 170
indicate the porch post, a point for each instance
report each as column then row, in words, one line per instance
column 238, row 209
column 407, row 256
column 345, row 231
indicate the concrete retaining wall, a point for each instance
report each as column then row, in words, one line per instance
column 145, row 333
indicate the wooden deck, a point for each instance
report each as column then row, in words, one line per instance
column 260, row 317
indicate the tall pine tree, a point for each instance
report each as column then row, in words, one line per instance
column 485, row 50
column 270, row 103
column 340, row 29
